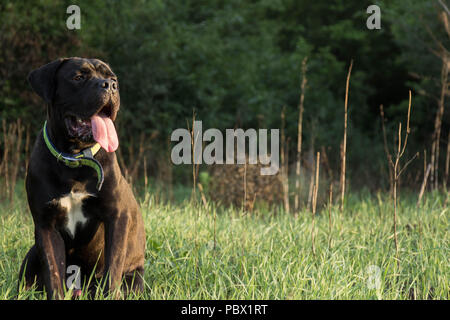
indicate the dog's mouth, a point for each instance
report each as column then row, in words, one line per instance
column 98, row 127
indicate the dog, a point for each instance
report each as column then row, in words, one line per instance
column 84, row 211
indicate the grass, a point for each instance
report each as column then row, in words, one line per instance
column 267, row 254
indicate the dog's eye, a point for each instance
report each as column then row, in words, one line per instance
column 78, row 77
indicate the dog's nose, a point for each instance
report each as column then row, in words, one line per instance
column 109, row 85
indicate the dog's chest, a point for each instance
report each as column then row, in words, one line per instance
column 72, row 203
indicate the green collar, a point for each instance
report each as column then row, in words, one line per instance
column 83, row 158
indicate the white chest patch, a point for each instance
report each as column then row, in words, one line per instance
column 73, row 203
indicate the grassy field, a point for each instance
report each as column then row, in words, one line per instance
column 267, row 254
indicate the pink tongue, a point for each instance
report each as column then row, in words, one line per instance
column 104, row 133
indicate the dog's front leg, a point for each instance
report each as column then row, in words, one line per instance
column 116, row 234
column 52, row 254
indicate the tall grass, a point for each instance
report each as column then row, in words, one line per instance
column 209, row 252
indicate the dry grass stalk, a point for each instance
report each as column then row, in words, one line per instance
column 438, row 124
column 397, row 159
column 444, row 55
column 145, row 174
column 316, row 183
column 330, row 203
column 286, row 177
column 344, row 144
column 193, row 157
column 386, row 150
column 12, row 149
column 195, row 167
column 398, row 170
column 215, row 241
column 447, row 162
column 424, row 162
column 4, row 168
column 247, row 204
column 424, row 185
column 314, row 201
column 16, row 157
column 310, row 192
column 299, row 137
column 200, row 188
column 168, row 166
column 284, row 153
column 214, row 229
column 446, row 11
column 245, row 185
column 251, row 203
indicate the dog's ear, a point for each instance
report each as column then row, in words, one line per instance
column 42, row 80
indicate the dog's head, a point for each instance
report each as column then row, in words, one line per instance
column 83, row 100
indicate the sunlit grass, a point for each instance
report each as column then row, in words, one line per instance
column 267, row 254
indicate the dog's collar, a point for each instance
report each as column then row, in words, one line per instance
column 83, row 158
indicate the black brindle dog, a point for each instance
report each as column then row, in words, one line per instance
column 84, row 211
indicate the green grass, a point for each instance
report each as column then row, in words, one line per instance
column 267, row 254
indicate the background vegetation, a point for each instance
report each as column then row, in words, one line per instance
column 238, row 63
